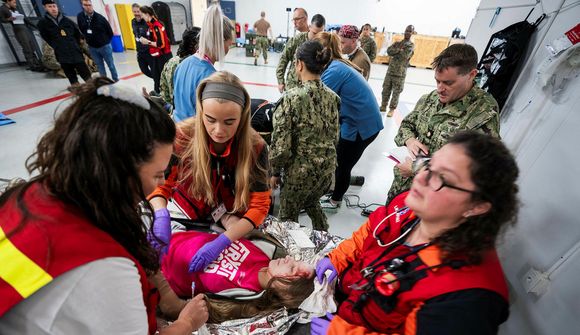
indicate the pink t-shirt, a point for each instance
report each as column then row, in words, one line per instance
column 236, row 267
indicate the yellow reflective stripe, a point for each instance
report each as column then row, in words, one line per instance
column 25, row 276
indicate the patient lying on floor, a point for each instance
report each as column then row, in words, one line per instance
column 242, row 267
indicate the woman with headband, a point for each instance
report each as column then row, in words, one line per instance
column 304, row 138
column 73, row 247
column 220, row 173
column 427, row 262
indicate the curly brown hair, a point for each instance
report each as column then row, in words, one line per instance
column 90, row 159
column 494, row 172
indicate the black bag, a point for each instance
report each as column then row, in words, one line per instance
column 501, row 59
column 262, row 113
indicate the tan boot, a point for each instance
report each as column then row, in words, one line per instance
column 383, row 108
column 391, row 112
column 60, row 73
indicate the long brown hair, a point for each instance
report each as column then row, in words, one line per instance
column 290, row 294
column 332, row 42
column 198, row 158
column 91, row 159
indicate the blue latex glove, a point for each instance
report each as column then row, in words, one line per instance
column 319, row 326
column 208, row 253
column 161, row 229
column 321, row 267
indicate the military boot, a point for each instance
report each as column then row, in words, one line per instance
column 391, row 112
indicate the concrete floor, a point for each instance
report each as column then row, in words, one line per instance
column 32, row 99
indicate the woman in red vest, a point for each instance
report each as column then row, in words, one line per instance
column 159, row 45
column 220, row 170
column 73, row 248
column 426, row 263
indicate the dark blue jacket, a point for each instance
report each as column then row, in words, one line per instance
column 64, row 36
column 96, row 29
column 140, row 29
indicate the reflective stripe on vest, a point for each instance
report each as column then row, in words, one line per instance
column 18, row 270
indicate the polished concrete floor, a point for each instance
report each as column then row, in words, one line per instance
column 32, row 100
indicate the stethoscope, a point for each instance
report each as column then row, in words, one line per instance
column 398, row 238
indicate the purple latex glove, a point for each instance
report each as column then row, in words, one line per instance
column 319, row 326
column 321, row 267
column 208, row 253
column 161, row 229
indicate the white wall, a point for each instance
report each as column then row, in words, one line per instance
column 543, row 135
column 429, row 17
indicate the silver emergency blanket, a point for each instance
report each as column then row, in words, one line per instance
column 323, row 241
column 277, row 322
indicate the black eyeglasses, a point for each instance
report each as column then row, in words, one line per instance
column 435, row 180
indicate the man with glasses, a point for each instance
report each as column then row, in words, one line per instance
column 300, row 19
column 457, row 104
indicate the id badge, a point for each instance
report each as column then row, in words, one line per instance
column 62, row 32
column 217, row 213
column 89, row 31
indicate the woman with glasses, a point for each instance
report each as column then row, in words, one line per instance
column 426, row 263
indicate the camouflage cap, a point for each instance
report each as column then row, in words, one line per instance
column 349, row 31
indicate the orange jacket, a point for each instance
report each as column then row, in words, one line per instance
column 371, row 312
column 223, row 183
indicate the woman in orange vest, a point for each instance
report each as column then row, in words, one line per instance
column 73, row 248
column 159, row 45
column 426, row 263
column 220, row 170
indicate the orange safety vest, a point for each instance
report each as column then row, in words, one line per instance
column 389, row 314
column 165, row 47
column 55, row 238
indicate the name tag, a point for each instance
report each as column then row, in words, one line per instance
column 89, row 31
column 217, row 213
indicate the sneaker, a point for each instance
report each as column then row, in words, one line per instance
column 391, row 112
column 329, row 205
column 383, row 108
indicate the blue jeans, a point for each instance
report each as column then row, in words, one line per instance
column 102, row 55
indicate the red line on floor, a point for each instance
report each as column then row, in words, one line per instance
column 66, row 95
column 260, row 84
column 36, row 104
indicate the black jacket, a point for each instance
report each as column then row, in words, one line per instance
column 100, row 33
column 63, row 37
column 140, row 29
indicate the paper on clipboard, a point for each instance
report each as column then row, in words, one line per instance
column 398, row 154
column 18, row 18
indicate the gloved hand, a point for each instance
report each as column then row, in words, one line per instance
column 321, row 267
column 208, row 253
column 319, row 326
column 161, row 229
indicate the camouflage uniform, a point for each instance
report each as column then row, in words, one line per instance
column 400, row 53
column 288, row 57
column 433, row 124
column 304, row 139
column 369, row 45
column 166, row 81
column 262, row 44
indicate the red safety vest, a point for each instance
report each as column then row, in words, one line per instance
column 165, row 47
column 54, row 239
column 375, row 313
